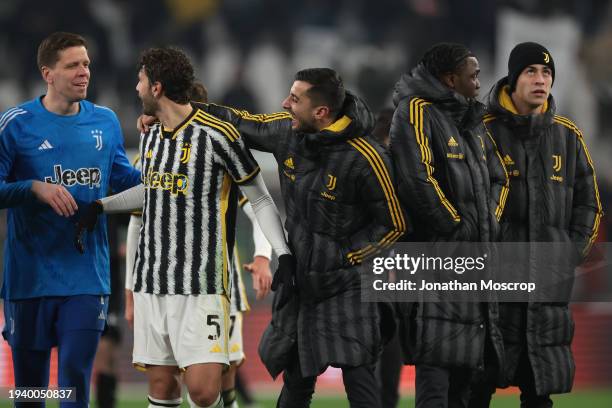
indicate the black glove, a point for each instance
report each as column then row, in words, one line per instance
column 285, row 276
column 87, row 220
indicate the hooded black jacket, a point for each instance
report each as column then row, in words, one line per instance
column 341, row 207
column 453, row 184
column 451, row 177
column 553, row 198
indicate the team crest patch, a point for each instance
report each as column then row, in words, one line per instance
column 97, row 134
column 556, row 162
column 331, row 183
column 185, row 152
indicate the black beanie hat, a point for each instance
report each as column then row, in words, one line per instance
column 525, row 54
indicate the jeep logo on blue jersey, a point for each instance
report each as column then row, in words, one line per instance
column 85, row 176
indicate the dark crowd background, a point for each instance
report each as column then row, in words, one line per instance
column 246, row 52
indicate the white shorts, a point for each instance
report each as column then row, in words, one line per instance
column 180, row 330
column 236, row 349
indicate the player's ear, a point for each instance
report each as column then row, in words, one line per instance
column 321, row 112
column 448, row 79
column 156, row 89
column 46, row 74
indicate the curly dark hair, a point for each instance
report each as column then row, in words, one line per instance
column 445, row 58
column 172, row 69
column 199, row 93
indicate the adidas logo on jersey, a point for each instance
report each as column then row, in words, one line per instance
column 101, row 315
column 452, row 142
column 508, row 160
column 45, row 145
column 85, row 176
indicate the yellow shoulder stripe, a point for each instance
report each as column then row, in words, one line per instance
column 260, row 117
column 416, row 120
column 398, row 222
column 383, row 171
column 501, row 204
column 567, row 122
column 224, row 127
column 395, row 211
column 488, row 118
column 570, row 125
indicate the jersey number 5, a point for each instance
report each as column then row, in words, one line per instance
column 213, row 320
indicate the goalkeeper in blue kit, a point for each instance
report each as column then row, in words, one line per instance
column 57, row 152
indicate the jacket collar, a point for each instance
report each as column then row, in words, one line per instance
column 339, row 125
column 355, row 120
column 505, row 101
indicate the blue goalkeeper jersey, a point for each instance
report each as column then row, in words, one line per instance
column 85, row 154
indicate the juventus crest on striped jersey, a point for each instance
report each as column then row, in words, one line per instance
column 189, row 211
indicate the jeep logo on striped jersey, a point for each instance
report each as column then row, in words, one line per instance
column 85, row 176
column 175, row 183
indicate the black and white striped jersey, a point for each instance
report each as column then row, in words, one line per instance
column 137, row 165
column 238, row 299
column 190, row 176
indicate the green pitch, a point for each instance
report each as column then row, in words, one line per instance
column 591, row 399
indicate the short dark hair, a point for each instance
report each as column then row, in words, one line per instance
column 444, row 58
column 50, row 47
column 327, row 87
column 172, row 69
column 199, row 93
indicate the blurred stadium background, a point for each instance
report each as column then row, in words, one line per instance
column 246, row 52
